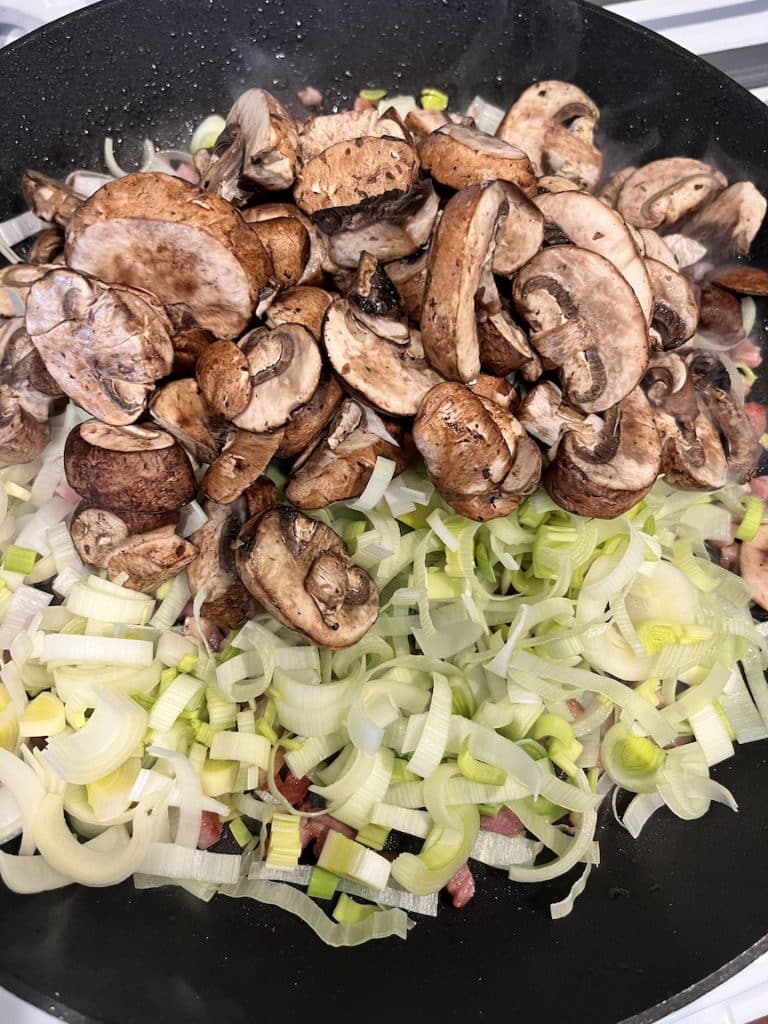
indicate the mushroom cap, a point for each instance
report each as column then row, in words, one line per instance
column 242, row 460
column 609, row 477
column 96, row 533
column 340, row 464
column 610, row 191
column 150, row 559
column 720, row 314
column 675, row 309
column 227, row 602
column 259, row 495
column 586, row 320
column 16, row 282
column 592, row 225
column 555, row 183
column 317, row 260
column 409, row 276
column 309, row 421
column 188, row 345
column 457, row 156
column 554, row 123
column 728, row 225
column 104, row 346
column 743, row 280
column 257, row 149
column 360, row 172
column 496, row 389
column 299, row 570
column 191, row 249
column 136, row 522
column 48, row 198
column 141, row 469
column 287, row 242
column 461, row 248
column 22, row 437
column 753, row 566
column 392, row 377
column 661, row 193
column 503, row 345
column 520, row 235
column 305, row 305
column 476, row 453
column 326, row 130
column 224, row 378
column 284, row 365
column 376, row 301
column 180, row 408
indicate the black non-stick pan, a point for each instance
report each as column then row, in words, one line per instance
column 663, row 919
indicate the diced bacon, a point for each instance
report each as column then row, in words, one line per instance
column 210, row 830
column 505, row 823
column 361, row 104
column 759, row 487
column 729, row 556
column 310, row 96
column 757, row 414
column 294, row 790
column 748, row 353
column 317, row 829
column 209, row 632
column 461, row 887
column 63, row 490
column 575, row 707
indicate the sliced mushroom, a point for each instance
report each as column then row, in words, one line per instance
column 227, row 601
column 96, row 533
column 476, row 453
column 284, row 364
column 188, row 345
column 656, row 248
column 135, row 522
column 258, row 496
column 496, row 389
column 287, row 242
column 592, row 225
column 546, row 417
column 23, row 375
column 149, row 559
column 256, row 150
column 687, row 251
column 457, row 156
column 16, row 282
column 140, row 469
column 608, row 478
column 48, row 198
column 504, row 347
column 104, row 346
column 22, row 437
column 308, row 422
column 554, row 183
column 409, row 276
column 743, row 280
column 317, row 260
column 190, row 249
column 753, row 566
column 303, row 305
column 712, row 384
column 180, row 408
column 720, row 314
column 611, row 190
column 375, row 301
column 392, row 376
column 520, row 234
column 391, row 231
column 554, row 123
column 675, row 309
column 340, row 465
column 422, row 122
column 224, row 378
column 662, row 192
column 47, row 247
column 586, row 320
column 358, row 173
column 461, row 250
column 242, row 460
column 300, row 571
column 728, row 225
column 320, row 133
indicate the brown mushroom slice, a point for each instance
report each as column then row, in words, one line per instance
column 692, row 453
column 308, row 422
column 16, row 282
column 496, row 389
column 728, row 225
column 394, row 231
column 190, row 249
column 661, row 193
column 592, row 225
column 258, row 496
column 675, row 309
column 23, row 375
column 720, row 315
column 457, row 156
column 305, row 305
column 409, row 276
column 743, row 280
column 180, row 408
column 422, row 122
column 287, row 242
column 141, row 469
column 188, row 345
column 135, row 522
column 753, row 566
column 104, row 346
column 476, row 453
column 461, row 249
column 554, row 183
column 341, row 463
column 360, row 172
column 224, row 378
column 611, row 190
column 554, row 123
column 320, row 133
column 317, row 259
column 284, row 363
column 712, row 384
column 96, row 533
column 655, row 248
column 393, row 377
column 22, row 437
column 47, row 247
column 606, row 479
column 586, row 320
column 375, row 301
column 149, row 559
column 227, row 601
column 504, row 347
column 256, row 150
column 299, row 570
column 242, row 460
column 546, row 417
column 520, row 235
column 48, row 198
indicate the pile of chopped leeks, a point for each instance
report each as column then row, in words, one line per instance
column 535, row 663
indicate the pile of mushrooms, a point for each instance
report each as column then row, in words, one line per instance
column 358, row 285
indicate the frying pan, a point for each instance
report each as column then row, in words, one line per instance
column 663, row 919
